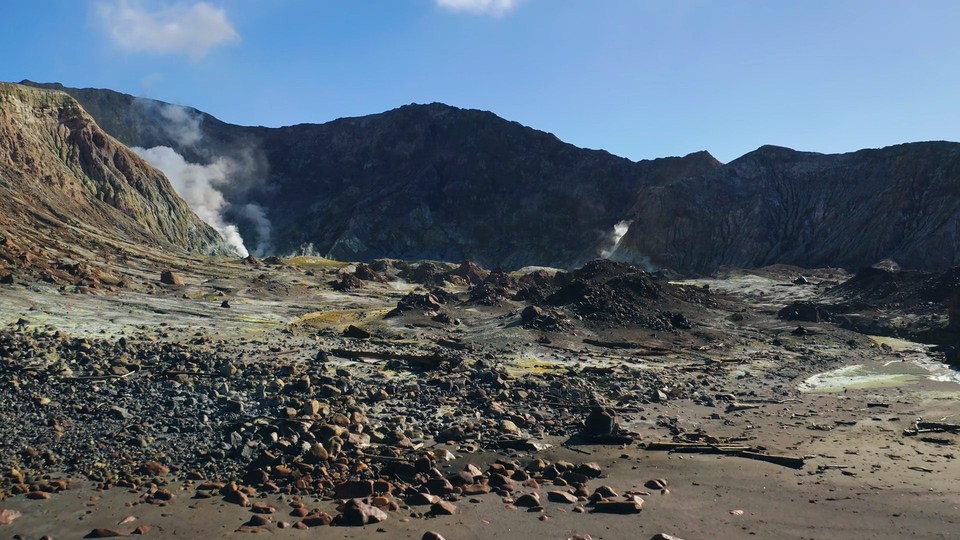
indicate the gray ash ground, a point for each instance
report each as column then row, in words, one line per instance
column 365, row 393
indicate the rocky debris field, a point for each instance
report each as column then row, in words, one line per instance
column 414, row 401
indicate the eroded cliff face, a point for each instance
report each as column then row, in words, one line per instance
column 420, row 181
column 776, row 205
column 60, row 172
column 439, row 182
column 434, row 181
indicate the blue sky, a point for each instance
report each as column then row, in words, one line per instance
column 640, row 79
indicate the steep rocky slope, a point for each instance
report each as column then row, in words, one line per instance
column 420, row 181
column 777, row 205
column 64, row 181
column 433, row 181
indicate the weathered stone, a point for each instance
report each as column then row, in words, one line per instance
column 656, row 483
column 632, row 506
column 422, row 499
column 528, row 500
column 318, row 519
column 104, row 533
column 443, row 508
column 564, row 497
column 169, row 277
column 600, row 422
column 353, row 489
column 356, row 513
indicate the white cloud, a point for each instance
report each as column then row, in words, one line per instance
column 191, row 29
column 479, row 7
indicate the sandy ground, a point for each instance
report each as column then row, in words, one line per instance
column 842, row 407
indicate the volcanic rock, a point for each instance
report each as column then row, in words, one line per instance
column 169, row 277
column 356, row 513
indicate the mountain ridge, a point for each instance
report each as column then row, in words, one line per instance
column 439, row 182
column 65, row 183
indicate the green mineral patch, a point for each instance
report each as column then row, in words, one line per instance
column 314, row 262
column 339, row 317
column 858, row 376
column 521, row 365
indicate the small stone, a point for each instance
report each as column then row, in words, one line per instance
column 262, row 508
column 353, row 489
column 154, row 468
column 104, row 533
column 169, row 277
column 562, row 497
column 443, row 508
column 604, row 492
column 431, row 535
column 633, row 506
column 318, row 519
column 7, row 516
column 422, row 499
column 258, row 520
column 591, row 470
column 355, row 332
column 356, row 513
column 237, row 497
column 656, row 483
column 529, row 500
column 507, row 426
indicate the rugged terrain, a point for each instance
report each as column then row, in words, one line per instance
column 420, row 181
column 469, row 402
column 64, row 181
column 438, row 182
column 777, row 205
column 149, row 388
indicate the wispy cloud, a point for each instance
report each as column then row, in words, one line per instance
column 496, row 8
column 181, row 28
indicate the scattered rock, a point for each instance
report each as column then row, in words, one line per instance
column 563, row 497
column 443, row 508
column 169, row 277
column 356, row 332
column 632, row 506
column 356, row 513
column 7, row 516
column 104, row 533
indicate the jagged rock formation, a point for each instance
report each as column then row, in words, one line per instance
column 417, row 182
column 63, row 179
column 437, row 182
column 777, row 205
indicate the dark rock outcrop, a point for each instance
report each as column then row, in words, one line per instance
column 438, row 182
column 777, row 205
column 418, row 182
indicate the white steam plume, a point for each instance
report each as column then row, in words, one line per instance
column 197, row 184
column 206, row 187
column 613, row 241
column 255, row 213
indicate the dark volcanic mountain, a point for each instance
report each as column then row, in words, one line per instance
column 776, row 205
column 421, row 181
column 64, row 182
column 433, row 181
